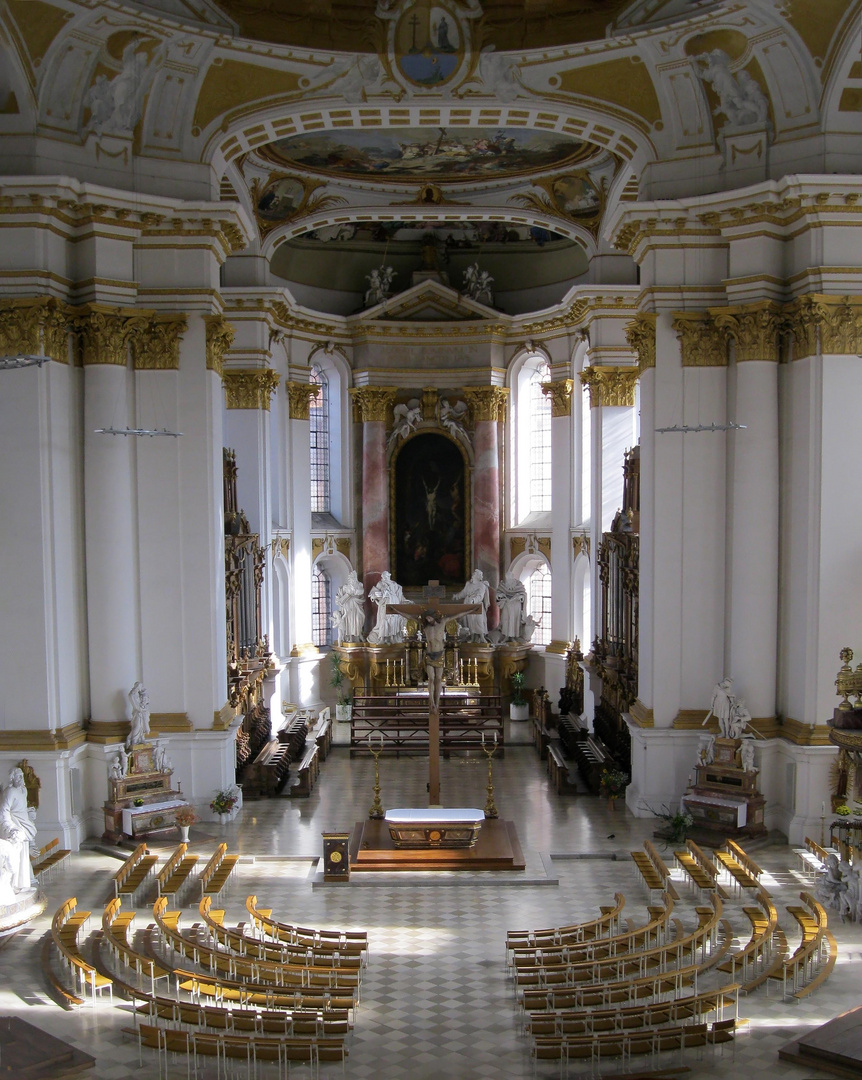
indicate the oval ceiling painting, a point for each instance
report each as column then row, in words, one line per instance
column 435, row 153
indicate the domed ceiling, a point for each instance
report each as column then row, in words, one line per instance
column 348, row 24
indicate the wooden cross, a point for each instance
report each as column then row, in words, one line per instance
column 432, row 592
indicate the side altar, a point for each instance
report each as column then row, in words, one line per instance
column 724, row 801
column 142, row 801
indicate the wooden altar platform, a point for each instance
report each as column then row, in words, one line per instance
column 498, row 848
column 835, row 1047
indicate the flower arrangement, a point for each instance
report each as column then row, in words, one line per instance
column 676, row 823
column 223, row 802
column 137, row 802
column 843, row 810
column 518, row 679
column 185, row 816
column 613, row 783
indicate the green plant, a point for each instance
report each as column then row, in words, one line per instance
column 337, row 679
column 843, row 810
column 676, row 823
column 518, row 680
column 613, row 783
column 138, row 802
column 223, row 802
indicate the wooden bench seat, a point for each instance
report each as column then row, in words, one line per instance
column 307, row 772
column 558, row 770
column 50, row 857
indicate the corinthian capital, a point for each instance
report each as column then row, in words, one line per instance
column 299, row 395
column 219, row 337
column 640, row 334
column 251, row 389
column 372, row 403
column 700, row 341
column 155, row 342
column 486, row 402
column 754, row 329
column 613, row 386
column 560, row 393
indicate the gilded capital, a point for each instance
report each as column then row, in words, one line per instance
column 155, row 342
column 299, row 395
column 754, row 329
column 487, row 402
column 560, row 393
column 700, row 341
column 640, row 334
column 104, row 334
column 251, row 388
column 372, row 403
column 35, row 326
column 610, row 386
column 219, row 337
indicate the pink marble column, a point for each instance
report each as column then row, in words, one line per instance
column 371, row 406
column 489, row 409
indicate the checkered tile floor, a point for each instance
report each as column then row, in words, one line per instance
column 436, row 1000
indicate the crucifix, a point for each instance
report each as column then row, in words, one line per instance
column 432, row 616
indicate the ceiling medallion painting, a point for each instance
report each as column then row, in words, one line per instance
column 428, row 44
column 283, row 197
column 441, row 154
column 579, row 195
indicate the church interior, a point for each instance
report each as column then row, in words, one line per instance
column 427, row 500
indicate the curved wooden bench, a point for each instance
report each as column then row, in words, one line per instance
column 346, row 941
column 66, row 923
column 604, row 926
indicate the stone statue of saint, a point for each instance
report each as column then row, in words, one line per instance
column 349, row 617
column 476, row 591
column 17, row 829
column 386, row 627
column 746, row 754
column 140, row 702
column 722, row 704
column 512, row 599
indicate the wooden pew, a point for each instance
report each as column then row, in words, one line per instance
column 134, row 873
column 307, row 772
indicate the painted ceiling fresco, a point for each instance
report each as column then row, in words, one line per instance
column 441, row 154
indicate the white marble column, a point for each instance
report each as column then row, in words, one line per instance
column 564, row 465
column 299, row 395
column 113, row 612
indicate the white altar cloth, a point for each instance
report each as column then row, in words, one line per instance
column 435, row 815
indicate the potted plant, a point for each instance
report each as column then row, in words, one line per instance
column 343, row 707
column 612, row 784
column 185, row 817
column 519, row 707
column 222, row 805
column 676, row 824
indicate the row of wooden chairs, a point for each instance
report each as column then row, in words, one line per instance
column 654, row 873
column 606, row 925
column 50, row 857
column 345, row 941
column 65, row 927
column 177, row 872
column 134, row 872
column 814, row 958
column 215, row 876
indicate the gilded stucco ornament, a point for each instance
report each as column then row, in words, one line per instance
column 299, row 395
column 372, row 404
column 36, row 327
column 754, row 329
column 560, row 393
column 155, row 343
column 610, row 386
column 250, row 389
column 486, row 402
column 219, row 338
column 640, row 334
column 701, row 343
column 104, row 333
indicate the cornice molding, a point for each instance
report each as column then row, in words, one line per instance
column 487, row 403
column 560, row 393
column 250, row 388
column 299, row 395
column 65, row 738
column 610, row 386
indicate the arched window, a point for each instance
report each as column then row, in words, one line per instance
column 540, row 441
column 318, row 415
column 321, row 608
column 531, row 449
column 539, row 600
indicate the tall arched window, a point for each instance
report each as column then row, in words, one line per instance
column 318, row 415
column 531, row 461
column 321, row 608
column 539, row 599
column 540, row 442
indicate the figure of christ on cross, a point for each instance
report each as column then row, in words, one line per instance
column 432, row 620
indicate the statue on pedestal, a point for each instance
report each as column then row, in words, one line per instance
column 512, row 599
column 17, row 830
column 476, row 591
column 140, row 702
column 349, row 617
column 387, row 627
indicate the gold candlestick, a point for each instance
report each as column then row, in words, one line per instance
column 376, row 810
column 490, row 805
